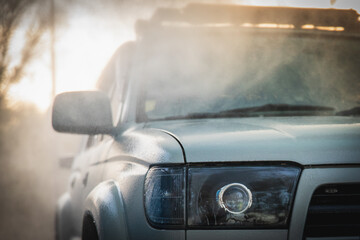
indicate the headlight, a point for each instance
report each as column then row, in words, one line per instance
column 220, row 196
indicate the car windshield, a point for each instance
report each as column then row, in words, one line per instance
column 199, row 72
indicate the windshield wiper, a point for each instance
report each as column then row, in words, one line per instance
column 267, row 110
column 282, row 109
column 350, row 112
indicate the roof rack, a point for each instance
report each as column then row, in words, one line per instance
column 298, row 18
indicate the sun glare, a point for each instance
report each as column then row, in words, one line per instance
column 83, row 52
column 82, row 48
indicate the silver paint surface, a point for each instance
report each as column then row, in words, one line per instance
column 305, row 140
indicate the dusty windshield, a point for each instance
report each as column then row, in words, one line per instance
column 215, row 70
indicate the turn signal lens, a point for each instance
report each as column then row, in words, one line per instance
column 165, row 196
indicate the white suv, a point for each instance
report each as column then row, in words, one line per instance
column 220, row 122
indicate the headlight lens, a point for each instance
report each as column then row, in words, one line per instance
column 248, row 196
column 220, row 196
column 235, row 198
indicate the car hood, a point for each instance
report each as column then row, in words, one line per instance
column 305, row 140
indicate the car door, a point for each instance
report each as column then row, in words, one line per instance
column 86, row 174
column 79, row 180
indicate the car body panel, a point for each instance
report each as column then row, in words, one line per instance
column 106, row 205
column 63, row 224
column 150, row 146
column 85, row 176
column 304, row 140
column 127, row 162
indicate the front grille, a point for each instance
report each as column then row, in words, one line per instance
column 334, row 211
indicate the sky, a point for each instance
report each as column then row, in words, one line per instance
column 87, row 40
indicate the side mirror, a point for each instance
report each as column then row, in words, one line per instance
column 87, row 112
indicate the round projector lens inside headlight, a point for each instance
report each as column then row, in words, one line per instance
column 235, row 198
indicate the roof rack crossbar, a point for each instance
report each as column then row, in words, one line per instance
column 197, row 14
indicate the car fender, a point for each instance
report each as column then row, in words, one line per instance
column 106, row 206
column 63, row 225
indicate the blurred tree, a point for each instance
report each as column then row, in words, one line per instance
column 27, row 15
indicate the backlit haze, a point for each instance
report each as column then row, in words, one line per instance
column 88, row 36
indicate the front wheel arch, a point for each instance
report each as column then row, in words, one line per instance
column 105, row 213
column 89, row 230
